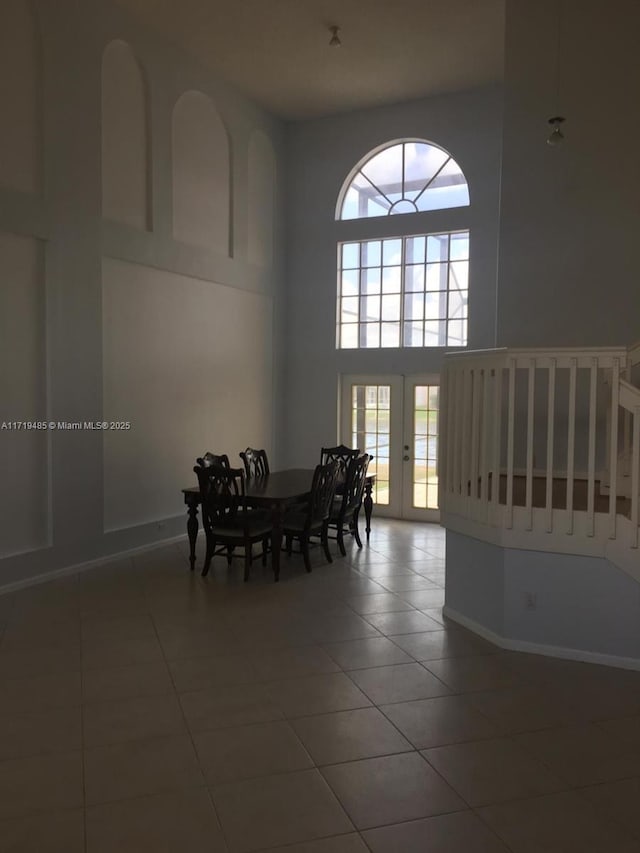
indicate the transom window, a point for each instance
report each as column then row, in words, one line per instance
column 404, row 177
column 404, row 292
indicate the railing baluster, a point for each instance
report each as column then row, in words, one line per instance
column 571, row 441
column 551, row 406
column 457, row 430
column 486, row 436
column 476, row 387
column 510, row 439
column 613, row 448
column 497, row 435
column 530, row 423
column 466, row 428
column 635, row 476
column 591, row 472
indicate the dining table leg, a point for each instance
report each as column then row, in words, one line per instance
column 368, row 507
column 276, row 541
column 192, row 528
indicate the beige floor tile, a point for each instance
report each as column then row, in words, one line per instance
column 617, row 801
column 558, row 823
column 56, row 832
column 316, row 694
column 202, row 673
column 351, row 843
column 468, row 674
column 405, row 622
column 583, row 754
column 140, row 767
column 359, row 654
column 226, row 707
column 183, row 643
column 522, row 709
column 424, row 599
column 440, row 721
column 404, row 582
column 131, row 626
column 40, row 693
column 399, row 683
column 35, row 633
column 390, row 789
column 54, row 730
column 264, row 749
column 492, row 771
column 28, row 663
column 435, row 645
column 462, row 832
column 131, row 719
column 171, row 823
column 292, row 662
column 40, row 783
column 336, row 629
column 278, row 810
column 349, row 735
column 126, row 682
column 384, row 602
column 626, row 729
column 105, row 651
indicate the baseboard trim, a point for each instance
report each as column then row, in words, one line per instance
column 580, row 655
column 87, row 565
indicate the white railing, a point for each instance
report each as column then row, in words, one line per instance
column 534, row 445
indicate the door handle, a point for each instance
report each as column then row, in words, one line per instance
column 406, row 457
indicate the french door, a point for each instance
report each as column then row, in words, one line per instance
column 395, row 418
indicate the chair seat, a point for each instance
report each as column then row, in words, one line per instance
column 253, row 528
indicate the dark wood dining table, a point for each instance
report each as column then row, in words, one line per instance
column 277, row 491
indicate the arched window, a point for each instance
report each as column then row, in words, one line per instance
column 406, row 291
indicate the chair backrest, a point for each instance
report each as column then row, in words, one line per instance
column 208, row 459
column 222, row 494
column 256, row 463
column 322, row 491
column 340, row 454
column 354, row 483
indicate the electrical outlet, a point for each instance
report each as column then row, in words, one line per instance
column 530, row 601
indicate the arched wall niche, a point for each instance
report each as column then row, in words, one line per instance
column 261, row 200
column 201, row 174
column 125, row 138
column 20, row 86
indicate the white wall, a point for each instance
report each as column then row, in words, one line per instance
column 320, row 155
column 103, row 312
column 569, row 262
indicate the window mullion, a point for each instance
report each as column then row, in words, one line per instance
column 403, row 261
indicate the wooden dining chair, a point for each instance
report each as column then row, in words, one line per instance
column 208, row 459
column 345, row 508
column 256, row 463
column 225, row 518
column 312, row 518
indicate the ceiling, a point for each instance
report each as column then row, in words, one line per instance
column 277, row 51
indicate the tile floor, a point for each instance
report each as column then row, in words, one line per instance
column 143, row 708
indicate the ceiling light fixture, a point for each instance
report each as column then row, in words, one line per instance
column 335, row 38
column 556, row 136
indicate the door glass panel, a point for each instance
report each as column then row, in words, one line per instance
column 371, row 432
column 425, row 446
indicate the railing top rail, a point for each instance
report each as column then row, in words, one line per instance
column 543, row 352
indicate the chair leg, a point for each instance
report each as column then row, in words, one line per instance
column 211, row 547
column 324, row 538
column 229, row 554
column 265, row 550
column 289, row 545
column 355, row 530
column 304, row 547
column 340, row 538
